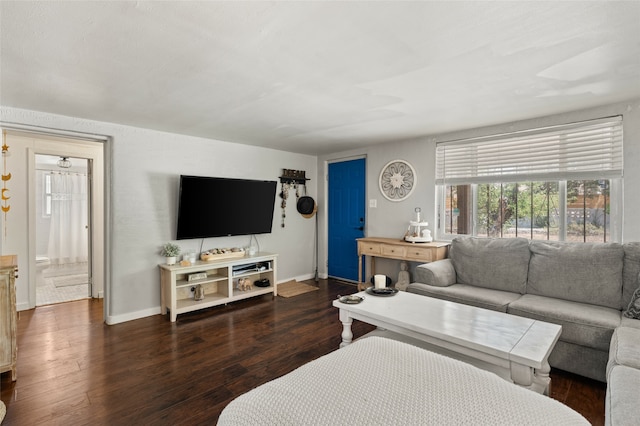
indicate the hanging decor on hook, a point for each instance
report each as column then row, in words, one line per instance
column 5, row 178
column 284, row 194
column 295, row 179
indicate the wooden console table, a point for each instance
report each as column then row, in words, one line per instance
column 392, row 248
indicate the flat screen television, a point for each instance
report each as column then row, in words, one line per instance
column 220, row 207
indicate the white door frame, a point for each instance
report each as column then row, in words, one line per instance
column 100, row 242
column 89, row 150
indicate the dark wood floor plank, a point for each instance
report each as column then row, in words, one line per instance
column 75, row 370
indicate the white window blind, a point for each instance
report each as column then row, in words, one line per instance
column 585, row 150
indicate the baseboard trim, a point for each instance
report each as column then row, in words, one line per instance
column 117, row 319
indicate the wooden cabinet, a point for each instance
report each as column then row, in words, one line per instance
column 391, row 248
column 219, row 281
column 8, row 316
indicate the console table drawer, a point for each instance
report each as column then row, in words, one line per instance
column 368, row 249
column 393, row 251
column 423, row 254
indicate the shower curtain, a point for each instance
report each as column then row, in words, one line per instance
column 69, row 233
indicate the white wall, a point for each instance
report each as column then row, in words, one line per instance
column 143, row 177
column 390, row 219
column 144, row 166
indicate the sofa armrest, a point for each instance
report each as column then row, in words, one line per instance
column 440, row 273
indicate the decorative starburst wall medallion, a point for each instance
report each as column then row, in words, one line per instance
column 397, row 180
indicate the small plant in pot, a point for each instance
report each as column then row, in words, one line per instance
column 171, row 252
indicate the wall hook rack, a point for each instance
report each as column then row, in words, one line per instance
column 291, row 179
column 293, row 176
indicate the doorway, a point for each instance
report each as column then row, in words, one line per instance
column 20, row 237
column 346, row 222
column 63, row 263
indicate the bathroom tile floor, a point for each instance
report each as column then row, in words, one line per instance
column 48, row 293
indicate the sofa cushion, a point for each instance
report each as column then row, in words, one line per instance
column 440, row 273
column 621, row 402
column 499, row 264
column 629, row 322
column 496, row 300
column 624, row 348
column 582, row 324
column 630, row 271
column 585, row 272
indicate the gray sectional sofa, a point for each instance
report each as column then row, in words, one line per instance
column 585, row 287
column 623, row 377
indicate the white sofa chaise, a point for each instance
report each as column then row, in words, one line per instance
column 379, row 381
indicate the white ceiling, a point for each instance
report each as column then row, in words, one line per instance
column 317, row 77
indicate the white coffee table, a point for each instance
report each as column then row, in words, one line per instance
column 516, row 348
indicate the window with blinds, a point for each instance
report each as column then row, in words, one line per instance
column 560, row 183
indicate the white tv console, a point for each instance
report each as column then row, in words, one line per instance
column 176, row 291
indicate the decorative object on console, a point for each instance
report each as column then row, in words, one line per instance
column 171, row 252
column 244, row 284
column 253, row 247
column 397, row 180
column 222, row 253
column 198, row 294
column 190, row 256
column 263, row 282
column 417, row 232
column 196, row 276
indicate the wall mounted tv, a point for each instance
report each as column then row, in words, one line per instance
column 220, row 207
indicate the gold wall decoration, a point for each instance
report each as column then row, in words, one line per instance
column 5, row 178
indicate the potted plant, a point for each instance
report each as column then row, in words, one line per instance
column 171, row 252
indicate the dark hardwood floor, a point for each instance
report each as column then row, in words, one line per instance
column 75, row 370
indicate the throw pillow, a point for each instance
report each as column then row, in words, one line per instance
column 633, row 311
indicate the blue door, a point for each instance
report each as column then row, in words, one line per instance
column 346, row 217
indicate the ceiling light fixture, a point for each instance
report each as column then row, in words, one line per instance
column 64, row 162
